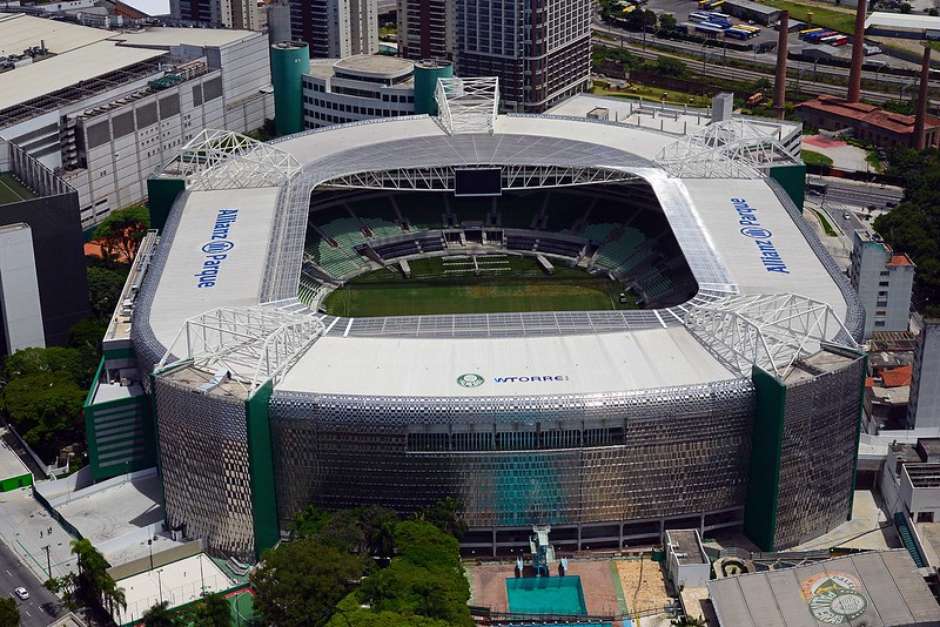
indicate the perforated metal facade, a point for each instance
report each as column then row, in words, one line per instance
column 818, row 452
column 516, row 461
column 204, row 465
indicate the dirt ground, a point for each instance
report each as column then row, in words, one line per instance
column 644, row 587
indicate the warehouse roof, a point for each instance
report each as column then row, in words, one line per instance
column 900, row 21
column 164, row 37
column 869, row 114
column 875, row 589
column 82, row 64
column 19, row 31
column 753, row 6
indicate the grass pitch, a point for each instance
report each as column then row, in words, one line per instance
column 12, row 190
column 450, row 286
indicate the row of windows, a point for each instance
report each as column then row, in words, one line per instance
column 514, row 440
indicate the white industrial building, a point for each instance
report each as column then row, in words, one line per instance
column 104, row 109
column 924, row 408
column 883, row 280
column 357, row 88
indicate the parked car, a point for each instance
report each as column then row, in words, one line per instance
column 21, row 593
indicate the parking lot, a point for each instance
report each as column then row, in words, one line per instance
column 681, row 9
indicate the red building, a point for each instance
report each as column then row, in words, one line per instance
column 868, row 122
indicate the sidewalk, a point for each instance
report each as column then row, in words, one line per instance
column 25, row 529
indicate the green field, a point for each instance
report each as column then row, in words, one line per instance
column 12, row 190
column 450, row 287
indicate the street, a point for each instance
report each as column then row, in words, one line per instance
column 13, row 574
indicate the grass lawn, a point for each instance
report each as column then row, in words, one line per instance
column 827, row 227
column 12, row 190
column 815, row 158
column 524, row 287
column 842, row 20
column 635, row 90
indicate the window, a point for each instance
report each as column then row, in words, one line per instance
column 885, row 273
column 883, row 284
column 879, row 323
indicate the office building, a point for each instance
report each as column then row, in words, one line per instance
column 539, row 49
column 336, row 28
column 237, row 14
column 883, row 280
column 103, row 109
column 426, row 29
column 923, row 411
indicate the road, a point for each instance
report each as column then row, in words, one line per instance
column 712, row 66
column 14, row 574
column 859, row 194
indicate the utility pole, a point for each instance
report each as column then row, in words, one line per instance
column 48, row 561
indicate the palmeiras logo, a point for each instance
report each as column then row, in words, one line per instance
column 470, row 380
column 834, row 598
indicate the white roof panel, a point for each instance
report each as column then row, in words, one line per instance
column 576, row 364
column 164, row 37
column 19, row 31
column 748, row 234
column 902, row 21
column 82, row 64
column 238, row 280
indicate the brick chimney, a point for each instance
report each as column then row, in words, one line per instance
column 780, row 82
column 858, row 54
column 920, row 121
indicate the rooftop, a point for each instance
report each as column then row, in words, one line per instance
column 753, row 6
column 874, row 588
column 164, row 37
column 897, row 377
column 19, row 31
column 379, row 65
column 687, row 546
column 900, row 21
column 869, row 114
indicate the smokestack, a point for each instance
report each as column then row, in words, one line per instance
column 920, row 122
column 780, row 82
column 858, row 53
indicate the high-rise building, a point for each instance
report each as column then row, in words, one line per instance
column 539, row 49
column 240, row 14
column 924, row 408
column 426, row 29
column 883, row 280
column 336, row 28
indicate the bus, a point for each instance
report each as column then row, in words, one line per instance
column 709, row 29
column 736, row 33
column 748, row 27
column 841, row 41
column 814, row 38
column 698, row 16
column 809, row 31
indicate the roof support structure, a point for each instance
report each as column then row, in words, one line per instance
column 216, row 159
column 732, row 148
column 252, row 344
column 770, row 331
column 441, row 178
column 467, row 105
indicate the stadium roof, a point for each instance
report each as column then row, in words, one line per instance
column 619, row 349
column 19, row 31
column 61, row 71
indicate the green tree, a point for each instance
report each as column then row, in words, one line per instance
column 667, row 66
column 44, row 406
column 667, row 22
column 94, row 585
column 349, row 613
column 55, row 359
column 121, row 231
column 210, row 611
column 308, row 523
column 159, row 616
column 104, row 289
column 446, row 515
column 300, row 583
column 9, row 613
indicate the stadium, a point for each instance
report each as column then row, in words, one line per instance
column 607, row 328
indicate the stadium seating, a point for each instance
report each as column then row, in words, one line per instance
column 617, row 243
column 564, row 210
column 421, row 210
column 377, row 214
column 519, row 211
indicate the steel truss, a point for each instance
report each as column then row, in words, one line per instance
column 770, row 331
column 732, row 148
column 467, row 105
column 251, row 345
column 441, row 178
column 216, row 159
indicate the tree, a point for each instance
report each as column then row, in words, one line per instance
column 667, row 22
column 9, row 612
column 43, row 406
column 104, row 289
column 300, row 583
column 122, row 231
column 159, row 616
column 210, row 611
column 446, row 515
column 55, row 359
column 667, row 66
column 94, row 585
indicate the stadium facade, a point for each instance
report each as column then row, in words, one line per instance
column 732, row 400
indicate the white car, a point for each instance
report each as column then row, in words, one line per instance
column 22, row 593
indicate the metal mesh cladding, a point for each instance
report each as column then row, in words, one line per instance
column 519, row 460
column 817, row 465
column 204, row 462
